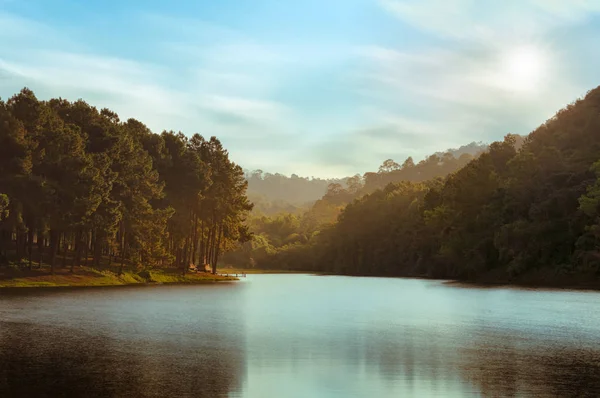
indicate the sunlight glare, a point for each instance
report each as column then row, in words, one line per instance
column 523, row 69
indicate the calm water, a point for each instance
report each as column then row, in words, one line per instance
column 300, row 336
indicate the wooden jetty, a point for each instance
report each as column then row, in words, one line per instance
column 237, row 275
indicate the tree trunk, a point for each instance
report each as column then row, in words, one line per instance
column 61, row 243
column 217, row 248
column 122, row 253
column 202, row 257
column 86, row 250
column 2, row 252
column 40, row 243
column 194, row 241
column 178, row 257
column 19, row 244
column 184, row 263
column 208, row 244
column 65, row 248
column 98, row 241
column 53, row 248
column 30, row 245
column 77, row 255
column 211, row 242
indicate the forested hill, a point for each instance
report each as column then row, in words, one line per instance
column 277, row 193
column 439, row 164
column 474, row 149
column 530, row 213
column 294, row 190
column 280, row 226
column 77, row 184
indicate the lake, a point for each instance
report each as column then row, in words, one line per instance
column 300, row 336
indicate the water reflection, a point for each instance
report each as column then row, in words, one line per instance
column 102, row 355
column 389, row 338
column 509, row 369
column 300, row 336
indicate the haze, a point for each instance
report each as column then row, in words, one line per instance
column 316, row 88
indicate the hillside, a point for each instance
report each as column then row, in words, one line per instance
column 293, row 190
column 274, row 193
column 526, row 214
column 276, row 224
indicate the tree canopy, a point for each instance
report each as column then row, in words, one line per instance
column 524, row 206
column 77, row 180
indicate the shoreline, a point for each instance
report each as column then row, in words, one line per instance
column 85, row 277
column 577, row 282
column 531, row 281
column 592, row 287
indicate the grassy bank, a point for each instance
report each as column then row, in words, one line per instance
column 85, row 276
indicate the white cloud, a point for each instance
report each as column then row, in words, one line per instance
column 214, row 97
column 248, row 109
column 572, row 11
column 445, row 17
column 489, row 69
column 125, row 86
column 478, row 20
column 458, row 86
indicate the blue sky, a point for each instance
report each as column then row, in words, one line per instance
column 314, row 87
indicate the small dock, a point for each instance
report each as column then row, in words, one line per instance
column 237, row 275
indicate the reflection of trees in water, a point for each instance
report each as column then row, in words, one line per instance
column 51, row 362
column 407, row 360
column 488, row 363
column 420, row 358
column 504, row 366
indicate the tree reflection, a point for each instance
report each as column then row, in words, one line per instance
column 516, row 368
column 61, row 362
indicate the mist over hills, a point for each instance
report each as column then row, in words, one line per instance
column 274, row 192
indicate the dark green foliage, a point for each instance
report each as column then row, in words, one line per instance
column 283, row 249
column 78, row 183
column 437, row 165
column 519, row 208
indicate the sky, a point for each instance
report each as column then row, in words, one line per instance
column 323, row 88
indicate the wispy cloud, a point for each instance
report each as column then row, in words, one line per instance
column 439, row 74
column 488, row 69
column 483, row 20
column 246, row 109
column 222, row 96
column 123, row 85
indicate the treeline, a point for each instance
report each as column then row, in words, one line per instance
column 77, row 184
column 279, row 227
column 267, row 207
column 294, row 190
column 516, row 211
column 437, row 165
column 277, row 193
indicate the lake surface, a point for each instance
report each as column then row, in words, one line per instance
column 300, row 336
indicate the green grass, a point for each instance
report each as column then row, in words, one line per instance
column 85, row 276
column 162, row 276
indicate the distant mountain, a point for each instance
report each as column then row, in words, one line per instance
column 277, row 192
column 529, row 216
column 473, row 149
column 294, row 190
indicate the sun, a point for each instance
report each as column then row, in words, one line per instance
column 523, row 69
